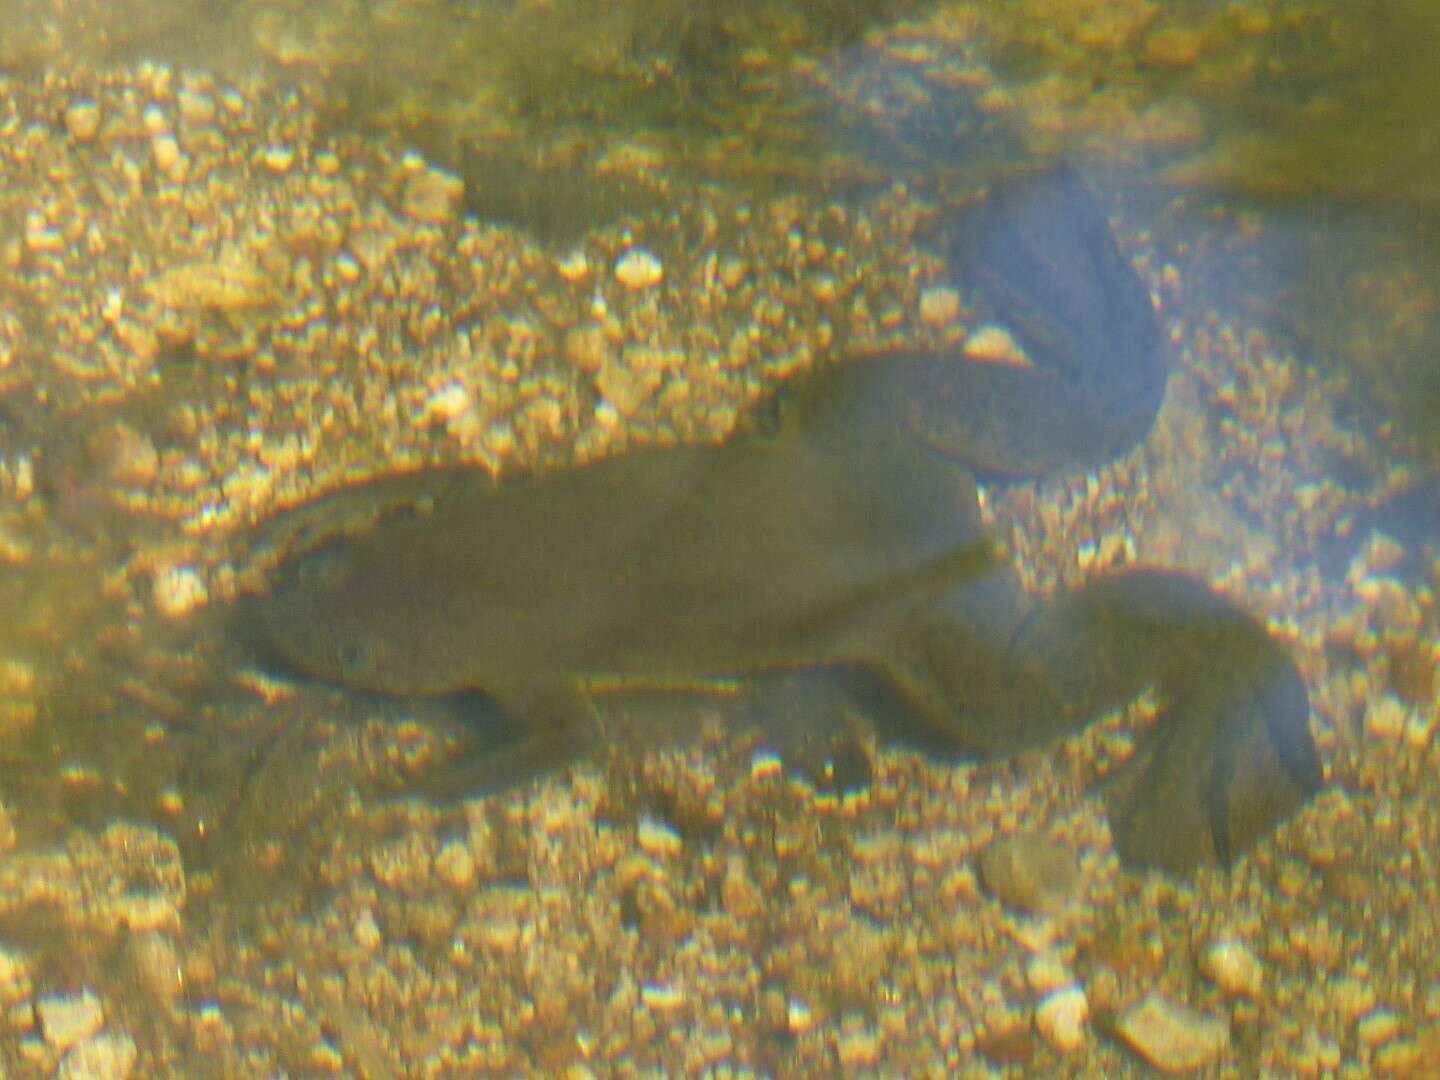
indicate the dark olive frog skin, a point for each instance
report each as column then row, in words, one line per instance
column 841, row 531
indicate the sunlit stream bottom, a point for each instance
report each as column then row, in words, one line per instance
column 208, row 870
column 685, row 904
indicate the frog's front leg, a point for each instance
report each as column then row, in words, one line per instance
column 556, row 724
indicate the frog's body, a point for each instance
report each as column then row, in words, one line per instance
column 778, row 547
column 845, row 535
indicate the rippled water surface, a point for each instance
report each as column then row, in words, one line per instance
column 254, row 253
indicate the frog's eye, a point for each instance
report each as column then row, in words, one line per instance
column 318, row 570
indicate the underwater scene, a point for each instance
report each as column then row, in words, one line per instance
column 593, row 538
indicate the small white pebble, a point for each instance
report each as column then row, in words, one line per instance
column 24, row 478
column 278, row 159
column 1046, row 972
column 179, row 590
column 448, row 402
column 1421, row 728
column 991, row 344
column 657, row 838
column 858, row 1048
column 82, row 120
column 1383, row 555
column 575, row 266
column 168, row 157
column 17, row 677
column 195, row 107
column 939, row 306
column 638, row 269
column 41, row 236
column 105, row 1057
column 366, row 931
column 662, row 997
column 14, row 977
column 766, row 765
column 798, row 1016
column 455, row 865
column 347, row 269
column 1061, row 1016
column 606, row 415
column 432, row 196
column 154, row 120
column 1234, row 968
column 732, row 273
column 824, row 288
column 66, row 1019
column 1386, row 718
column 1379, row 1026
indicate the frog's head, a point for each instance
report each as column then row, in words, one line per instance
column 321, row 619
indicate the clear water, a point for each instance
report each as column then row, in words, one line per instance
column 250, row 252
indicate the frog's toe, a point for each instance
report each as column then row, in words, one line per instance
column 1226, row 764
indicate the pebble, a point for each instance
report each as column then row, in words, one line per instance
column 455, row 865
column 1385, row 719
column 17, row 677
column 66, row 1019
column 1172, row 1037
column 1231, row 966
column 1379, row 1026
column 105, row 1057
column 799, row 1018
column 626, row 389
column 14, row 977
column 157, row 964
column 1352, row 996
column 125, row 455
column 637, row 268
column 939, row 306
column 278, row 159
column 991, row 344
column 1061, row 1016
column 586, row 347
column 366, row 931
column 1173, row 46
column 154, row 120
column 1046, row 972
column 448, row 402
column 82, row 120
column 168, row 157
column 1318, row 1053
column 196, row 108
column 662, row 997
column 858, row 1047
column 179, row 590
column 657, row 838
column 1029, row 872
column 432, row 196
column 573, row 267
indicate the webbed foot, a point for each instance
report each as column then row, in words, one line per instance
column 1227, row 762
column 1231, row 755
